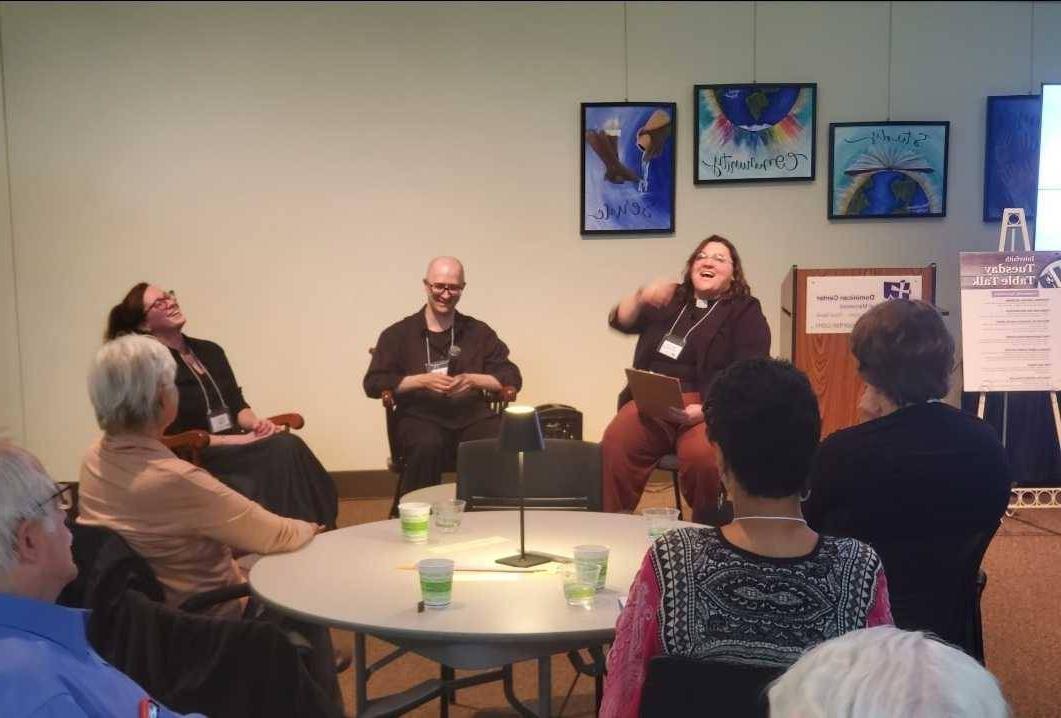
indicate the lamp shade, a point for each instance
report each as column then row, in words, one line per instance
column 520, row 430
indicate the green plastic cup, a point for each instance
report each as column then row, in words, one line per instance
column 436, row 581
column 415, row 517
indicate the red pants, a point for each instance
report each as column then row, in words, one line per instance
column 632, row 445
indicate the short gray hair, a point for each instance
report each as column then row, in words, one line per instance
column 125, row 380
column 25, row 488
column 885, row 671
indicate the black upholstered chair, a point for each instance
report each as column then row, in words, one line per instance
column 566, row 475
column 677, row 686
column 222, row 667
column 935, row 584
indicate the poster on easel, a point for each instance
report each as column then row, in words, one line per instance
column 1011, row 320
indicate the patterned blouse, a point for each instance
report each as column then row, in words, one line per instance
column 698, row 595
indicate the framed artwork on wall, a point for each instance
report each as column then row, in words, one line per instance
column 887, row 169
column 754, row 132
column 628, row 167
column 1011, row 154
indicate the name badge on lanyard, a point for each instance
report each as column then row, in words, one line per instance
column 437, row 367
column 220, row 420
column 672, row 346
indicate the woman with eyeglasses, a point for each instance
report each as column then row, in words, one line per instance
column 247, row 453
column 690, row 330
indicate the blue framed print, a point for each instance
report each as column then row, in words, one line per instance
column 628, row 166
column 1011, row 154
column 754, row 132
column 888, row 170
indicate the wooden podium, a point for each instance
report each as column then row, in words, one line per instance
column 826, row 357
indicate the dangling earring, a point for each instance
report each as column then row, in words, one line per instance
column 805, row 495
column 721, row 496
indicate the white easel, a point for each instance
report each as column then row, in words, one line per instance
column 1030, row 498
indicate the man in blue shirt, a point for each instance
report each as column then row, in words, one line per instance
column 47, row 667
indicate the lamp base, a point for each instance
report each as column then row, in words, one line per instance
column 525, row 560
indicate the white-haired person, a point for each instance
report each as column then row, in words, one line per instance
column 885, row 671
column 47, row 667
column 180, row 519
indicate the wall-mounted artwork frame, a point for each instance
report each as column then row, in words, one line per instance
column 754, row 132
column 1011, row 154
column 893, row 170
column 628, row 168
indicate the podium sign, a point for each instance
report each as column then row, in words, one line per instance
column 835, row 303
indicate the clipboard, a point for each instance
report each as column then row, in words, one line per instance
column 655, row 393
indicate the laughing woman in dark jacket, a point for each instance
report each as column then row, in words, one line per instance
column 691, row 331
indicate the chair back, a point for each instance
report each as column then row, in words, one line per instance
column 933, row 585
column 189, row 662
column 106, row 567
column 565, row 475
column 560, row 421
column 680, row 686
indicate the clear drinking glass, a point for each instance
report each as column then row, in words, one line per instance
column 660, row 520
column 580, row 582
column 448, row 515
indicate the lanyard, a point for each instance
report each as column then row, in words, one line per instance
column 202, row 387
column 427, row 347
column 698, row 323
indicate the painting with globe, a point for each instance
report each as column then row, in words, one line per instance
column 754, row 132
column 887, row 169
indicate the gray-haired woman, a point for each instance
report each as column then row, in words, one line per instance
column 182, row 520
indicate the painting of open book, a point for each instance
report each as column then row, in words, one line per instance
column 887, row 169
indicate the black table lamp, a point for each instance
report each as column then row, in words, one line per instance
column 520, row 432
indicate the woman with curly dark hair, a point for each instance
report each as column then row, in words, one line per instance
column 765, row 587
column 689, row 330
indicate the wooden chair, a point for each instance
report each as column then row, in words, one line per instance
column 396, row 461
column 189, row 444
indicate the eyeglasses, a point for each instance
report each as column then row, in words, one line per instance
column 439, row 288
column 720, row 258
column 63, row 498
column 167, row 298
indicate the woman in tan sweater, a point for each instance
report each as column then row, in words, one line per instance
column 179, row 518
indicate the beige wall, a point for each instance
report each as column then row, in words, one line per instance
column 289, row 169
column 10, row 376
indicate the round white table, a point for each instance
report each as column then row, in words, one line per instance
column 360, row 579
